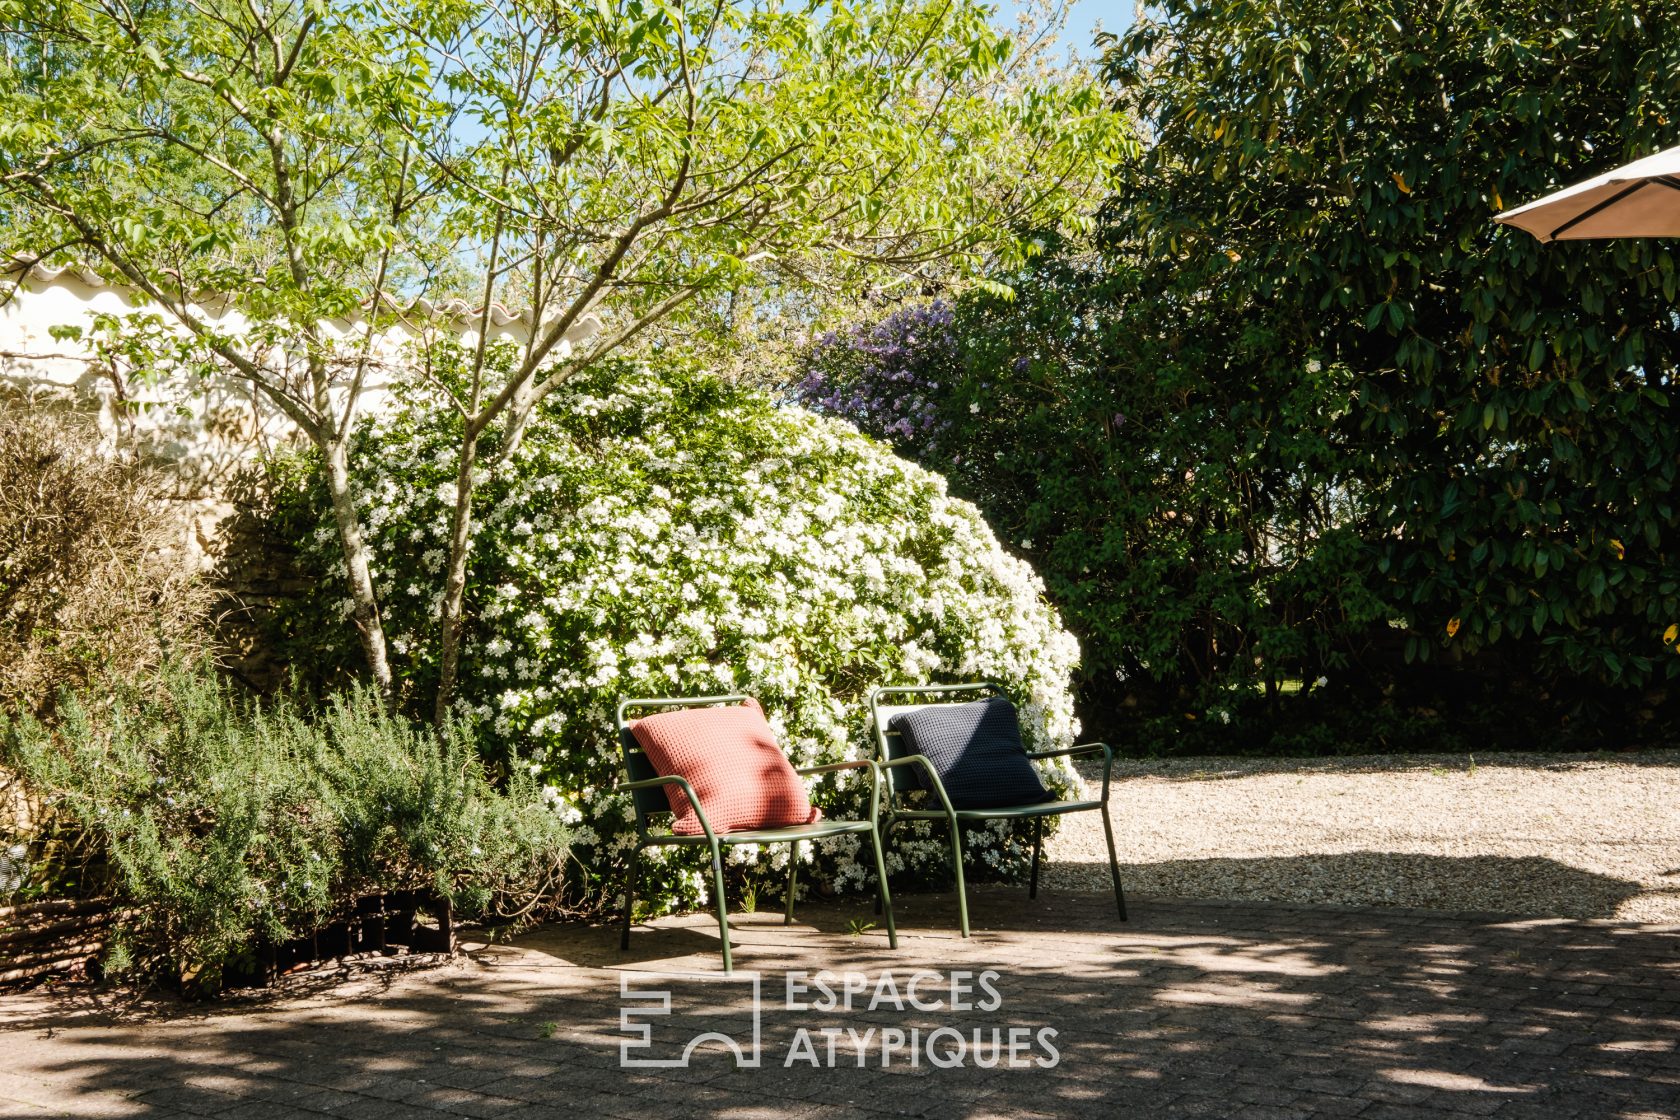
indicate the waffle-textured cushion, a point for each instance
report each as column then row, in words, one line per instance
column 729, row 755
column 976, row 750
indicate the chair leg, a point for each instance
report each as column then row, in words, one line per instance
column 722, row 908
column 1114, row 864
column 957, row 863
column 883, row 896
column 886, row 842
column 630, row 878
column 1038, row 846
column 792, row 883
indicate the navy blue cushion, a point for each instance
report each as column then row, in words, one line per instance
column 976, row 750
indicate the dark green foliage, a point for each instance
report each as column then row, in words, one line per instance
column 1193, row 535
column 225, row 825
column 1325, row 175
column 1309, row 415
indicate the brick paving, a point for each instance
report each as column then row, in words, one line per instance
column 1192, row 1009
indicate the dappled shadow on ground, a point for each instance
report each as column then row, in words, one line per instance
column 1503, row 884
column 1190, row 1009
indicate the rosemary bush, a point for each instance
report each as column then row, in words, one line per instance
column 225, row 824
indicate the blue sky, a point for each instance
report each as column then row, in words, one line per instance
column 1114, row 15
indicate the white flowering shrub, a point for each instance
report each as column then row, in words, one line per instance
column 673, row 535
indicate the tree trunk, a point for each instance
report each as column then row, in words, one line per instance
column 460, row 541
column 357, row 568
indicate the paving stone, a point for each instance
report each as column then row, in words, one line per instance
column 370, row 1108
column 1216, row 1010
column 267, row 1110
column 184, row 1098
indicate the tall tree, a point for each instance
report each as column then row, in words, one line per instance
column 1326, row 174
column 629, row 165
column 1308, row 412
column 646, row 162
column 226, row 147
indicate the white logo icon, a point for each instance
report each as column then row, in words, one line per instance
column 639, row 1006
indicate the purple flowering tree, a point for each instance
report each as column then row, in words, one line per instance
column 887, row 376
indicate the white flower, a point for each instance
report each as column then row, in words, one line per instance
column 691, row 548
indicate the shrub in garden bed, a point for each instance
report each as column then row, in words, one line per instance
column 1196, row 543
column 668, row 534
column 92, row 576
column 224, row 826
column 93, row 582
column 1213, row 546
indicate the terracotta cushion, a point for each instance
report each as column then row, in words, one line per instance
column 730, row 756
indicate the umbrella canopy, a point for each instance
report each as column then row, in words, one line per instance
column 1641, row 199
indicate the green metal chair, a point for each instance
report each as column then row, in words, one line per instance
column 896, row 762
column 646, row 788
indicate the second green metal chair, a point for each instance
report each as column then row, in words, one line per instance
column 896, row 760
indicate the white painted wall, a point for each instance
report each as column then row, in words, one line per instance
column 205, row 429
column 201, row 431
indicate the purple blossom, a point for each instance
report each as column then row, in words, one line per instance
column 885, row 376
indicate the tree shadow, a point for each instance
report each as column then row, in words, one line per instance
column 1529, row 885
column 1190, row 1009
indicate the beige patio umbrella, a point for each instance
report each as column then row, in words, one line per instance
column 1641, row 199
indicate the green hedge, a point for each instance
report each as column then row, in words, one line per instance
column 1321, row 192
column 1306, row 414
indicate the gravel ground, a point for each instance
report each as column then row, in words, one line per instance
column 1580, row 836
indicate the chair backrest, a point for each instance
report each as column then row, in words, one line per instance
column 636, row 765
column 885, row 703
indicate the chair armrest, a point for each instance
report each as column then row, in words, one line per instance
column 933, row 776
column 854, row 764
column 688, row 791
column 1084, row 748
column 828, row 767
